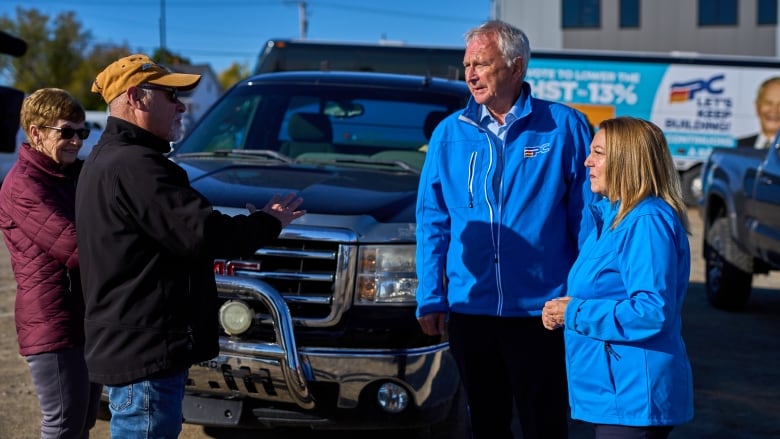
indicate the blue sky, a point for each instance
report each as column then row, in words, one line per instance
column 220, row 32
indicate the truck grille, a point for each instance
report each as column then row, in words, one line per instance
column 309, row 269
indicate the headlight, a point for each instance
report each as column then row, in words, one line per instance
column 386, row 274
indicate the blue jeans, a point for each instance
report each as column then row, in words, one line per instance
column 69, row 402
column 148, row 409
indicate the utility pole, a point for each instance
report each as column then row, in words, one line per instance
column 302, row 22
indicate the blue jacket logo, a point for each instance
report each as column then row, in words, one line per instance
column 533, row 151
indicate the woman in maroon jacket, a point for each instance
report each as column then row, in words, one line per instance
column 37, row 208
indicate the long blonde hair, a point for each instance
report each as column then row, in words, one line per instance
column 638, row 165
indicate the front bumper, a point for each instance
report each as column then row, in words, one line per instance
column 279, row 384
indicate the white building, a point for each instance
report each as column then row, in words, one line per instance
column 736, row 27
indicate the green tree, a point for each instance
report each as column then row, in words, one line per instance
column 57, row 55
column 54, row 49
column 168, row 58
column 233, row 74
column 61, row 54
column 98, row 58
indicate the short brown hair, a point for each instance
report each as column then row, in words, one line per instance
column 47, row 105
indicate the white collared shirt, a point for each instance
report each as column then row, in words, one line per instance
column 762, row 142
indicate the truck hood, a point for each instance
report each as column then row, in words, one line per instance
column 386, row 196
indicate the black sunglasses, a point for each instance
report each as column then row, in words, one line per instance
column 68, row 132
column 172, row 92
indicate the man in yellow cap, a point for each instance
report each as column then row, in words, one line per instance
column 138, row 75
column 147, row 241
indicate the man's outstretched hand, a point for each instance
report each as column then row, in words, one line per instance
column 283, row 209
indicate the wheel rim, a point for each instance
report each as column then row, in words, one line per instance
column 696, row 188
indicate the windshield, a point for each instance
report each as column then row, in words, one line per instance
column 323, row 123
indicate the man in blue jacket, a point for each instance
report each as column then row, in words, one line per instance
column 499, row 215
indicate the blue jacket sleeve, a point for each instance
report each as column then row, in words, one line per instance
column 433, row 236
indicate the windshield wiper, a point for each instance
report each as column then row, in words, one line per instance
column 254, row 153
column 362, row 161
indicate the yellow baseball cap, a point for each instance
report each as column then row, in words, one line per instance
column 137, row 69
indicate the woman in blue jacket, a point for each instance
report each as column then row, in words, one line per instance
column 628, row 370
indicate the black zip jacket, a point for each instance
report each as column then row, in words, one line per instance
column 147, row 241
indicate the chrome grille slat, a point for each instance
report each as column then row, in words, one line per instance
column 288, row 276
column 309, row 270
column 296, row 253
column 314, row 300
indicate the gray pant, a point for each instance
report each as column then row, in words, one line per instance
column 69, row 401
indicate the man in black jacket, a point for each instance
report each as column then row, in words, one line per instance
column 147, row 241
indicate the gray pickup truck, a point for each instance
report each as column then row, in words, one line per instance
column 741, row 213
column 319, row 328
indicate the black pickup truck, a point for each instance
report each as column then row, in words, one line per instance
column 319, row 328
column 741, row 213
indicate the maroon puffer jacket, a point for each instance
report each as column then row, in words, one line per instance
column 37, row 218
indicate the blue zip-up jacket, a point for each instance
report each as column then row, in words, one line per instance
column 503, row 251
column 625, row 356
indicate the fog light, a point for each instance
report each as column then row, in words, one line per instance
column 235, row 317
column 392, row 397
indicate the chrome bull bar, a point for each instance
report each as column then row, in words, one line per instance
column 284, row 350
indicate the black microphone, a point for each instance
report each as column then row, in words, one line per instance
column 12, row 45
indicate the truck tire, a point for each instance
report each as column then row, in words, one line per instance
column 690, row 183
column 729, row 270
